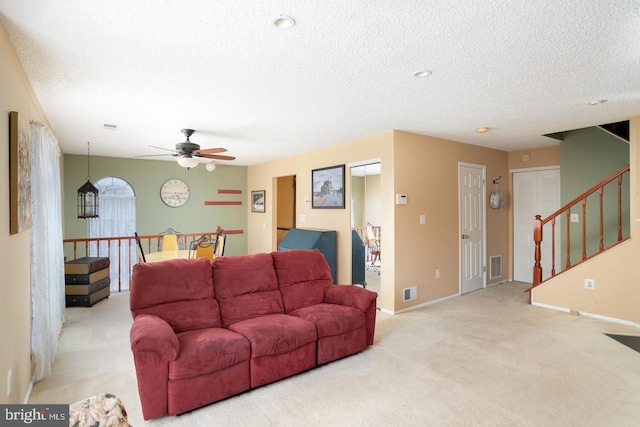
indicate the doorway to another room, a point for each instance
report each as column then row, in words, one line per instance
column 285, row 209
column 366, row 256
column 472, row 191
column 535, row 192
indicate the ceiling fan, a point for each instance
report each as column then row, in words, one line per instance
column 187, row 152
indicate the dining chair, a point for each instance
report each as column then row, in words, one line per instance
column 204, row 250
column 220, row 242
column 171, row 240
column 373, row 243
column 194, row 244
column 140, row 251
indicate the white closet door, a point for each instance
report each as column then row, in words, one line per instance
column 535, row 192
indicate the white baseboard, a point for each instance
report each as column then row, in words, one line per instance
column 587, row 314
column 415, row 307
column 551, row 307
column 27, row 396
column 610, row 319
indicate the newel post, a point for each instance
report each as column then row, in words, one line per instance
column 537, row 239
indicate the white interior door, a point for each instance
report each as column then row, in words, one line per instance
column 535, row 192
column 472, row 227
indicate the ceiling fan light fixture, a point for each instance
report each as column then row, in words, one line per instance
column 188, row 162
column 211, row 166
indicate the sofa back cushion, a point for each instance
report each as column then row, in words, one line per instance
column 303, row 276
column 180, row 291
column 246, row 287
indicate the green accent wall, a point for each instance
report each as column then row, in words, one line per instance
column 152, row 215
column 588, row 156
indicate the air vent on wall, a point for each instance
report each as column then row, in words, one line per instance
column 495, row 266
column 409, row 294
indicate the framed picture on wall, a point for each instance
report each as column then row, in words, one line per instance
column 19, row 173
column 257, row 201
column 327, row 187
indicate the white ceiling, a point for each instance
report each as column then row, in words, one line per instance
column 521, row 68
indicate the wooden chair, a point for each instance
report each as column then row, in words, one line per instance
column 140, row 251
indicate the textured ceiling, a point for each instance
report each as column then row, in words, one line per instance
column 523, row 69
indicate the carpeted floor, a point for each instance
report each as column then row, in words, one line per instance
column 483, row 359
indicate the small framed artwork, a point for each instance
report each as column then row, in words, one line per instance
column 19, row 173
column 257, row 201
column 327, row 187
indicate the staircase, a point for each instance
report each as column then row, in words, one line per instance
column 603, row 223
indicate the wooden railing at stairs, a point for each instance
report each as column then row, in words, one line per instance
column 555, row 219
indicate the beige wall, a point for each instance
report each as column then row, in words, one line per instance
column 426, row 169
column 539, row 157
column 262, row 226
column 616, row 272
column 16, row 94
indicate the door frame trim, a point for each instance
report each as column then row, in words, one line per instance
column 484, row 225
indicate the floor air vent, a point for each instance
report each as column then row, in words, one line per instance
column 495, row 267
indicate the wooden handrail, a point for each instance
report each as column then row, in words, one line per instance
column 126, row 245
column 539, row 222
column 590, row 191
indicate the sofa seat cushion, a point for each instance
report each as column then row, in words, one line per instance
column 203, row 351
column 275, row 333
column 331, row 319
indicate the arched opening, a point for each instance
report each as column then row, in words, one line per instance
column 116, row 218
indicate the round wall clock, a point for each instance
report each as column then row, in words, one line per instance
column 174, row 193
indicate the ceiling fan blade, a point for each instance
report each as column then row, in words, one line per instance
column 216, row 157
column 211, row 150
column 162, row 148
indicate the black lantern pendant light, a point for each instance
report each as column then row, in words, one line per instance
column 88, row 196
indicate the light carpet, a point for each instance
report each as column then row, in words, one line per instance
column 483, row 359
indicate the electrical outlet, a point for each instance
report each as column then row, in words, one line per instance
column 437, row 273
column 589, row 284
column 575, row 217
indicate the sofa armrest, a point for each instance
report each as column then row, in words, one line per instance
column 351, row 296
column 356, row 297
column 152, row 334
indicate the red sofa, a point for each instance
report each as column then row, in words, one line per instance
column 204, row 332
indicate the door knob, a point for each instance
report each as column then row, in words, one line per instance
column 464, row 236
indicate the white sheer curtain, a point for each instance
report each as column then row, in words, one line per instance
column 117, row 218
column 47, row 258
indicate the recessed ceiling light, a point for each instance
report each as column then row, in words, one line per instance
column 422, row 73
column 284, row 22
column 483, row 129
column 599, row 101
